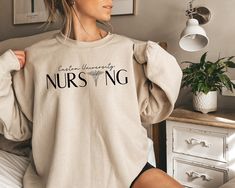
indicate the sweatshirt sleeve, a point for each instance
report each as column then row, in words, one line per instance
column 14, row 124
column 158, row 78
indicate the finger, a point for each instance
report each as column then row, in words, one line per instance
column 20, row 53
column 20, row 56
column 21, row 60
column 22, row 63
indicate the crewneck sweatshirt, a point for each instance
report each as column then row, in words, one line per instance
column 84, row 105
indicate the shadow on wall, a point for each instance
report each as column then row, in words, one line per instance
column 185, row 98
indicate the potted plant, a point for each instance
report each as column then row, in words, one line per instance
column 205, row 79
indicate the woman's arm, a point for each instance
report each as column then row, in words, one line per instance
column 158, row 78
column 13, row 122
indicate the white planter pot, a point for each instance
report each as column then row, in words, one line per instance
column 205, row 102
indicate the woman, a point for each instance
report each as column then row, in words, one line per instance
column 82, row 96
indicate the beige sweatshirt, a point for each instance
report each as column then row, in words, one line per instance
column 83, row 104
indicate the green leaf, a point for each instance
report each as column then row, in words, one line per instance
column 222, row 78
column 208, row 76
column 230, row 64
column 233, row 85
column 206, row 89
column 211, row 69
column 226, row 81
column 189, row 62
column 220, row 60
column 203, row 58
column 231, row 57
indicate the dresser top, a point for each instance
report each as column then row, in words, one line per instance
column 221, row 118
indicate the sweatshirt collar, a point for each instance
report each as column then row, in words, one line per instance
column 75, row 43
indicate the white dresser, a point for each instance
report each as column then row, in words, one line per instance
column 201, row 147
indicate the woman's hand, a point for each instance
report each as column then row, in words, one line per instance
column 20, row 56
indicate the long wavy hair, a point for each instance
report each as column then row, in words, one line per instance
column 61, row 8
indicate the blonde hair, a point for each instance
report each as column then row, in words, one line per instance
column 64, row 8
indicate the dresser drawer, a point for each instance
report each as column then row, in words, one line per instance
column 196, row 175
column 199, row 143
